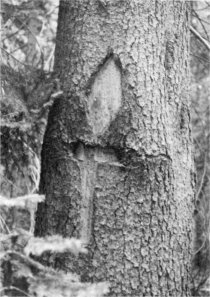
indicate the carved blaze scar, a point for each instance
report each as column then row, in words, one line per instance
column 105, row 97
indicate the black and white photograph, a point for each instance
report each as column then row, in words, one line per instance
column 105, row 148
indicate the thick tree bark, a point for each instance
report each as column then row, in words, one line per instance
column 117, row 165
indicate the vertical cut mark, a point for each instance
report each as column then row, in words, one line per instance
column 89, row 158
column 88, row 185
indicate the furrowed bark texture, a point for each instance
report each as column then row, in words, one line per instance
column 117, row 165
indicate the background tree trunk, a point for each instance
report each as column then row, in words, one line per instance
column 117, row 165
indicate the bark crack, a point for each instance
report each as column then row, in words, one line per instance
column 124, row 232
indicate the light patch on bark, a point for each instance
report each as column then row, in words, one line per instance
column 89, row 158
column 105, row 97
column 88, row 177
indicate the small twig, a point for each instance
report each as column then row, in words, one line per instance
column 52, row 10
column 205, row 21
column 14, row 33
column 14, row 288
column 203, row 40
column 24, row 24
column 4, row 225
column 200, row 21
column 28, row 260
column 201, row 59
column 7, row 180
column 199, row 146
column 18, row 48
column 26, row 65
column 203, row 8
column 202, row 179
column 202, row 282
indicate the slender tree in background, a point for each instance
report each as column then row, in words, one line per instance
column 117, row 165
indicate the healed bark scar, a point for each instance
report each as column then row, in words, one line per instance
column 105, row 97
column 89, row 158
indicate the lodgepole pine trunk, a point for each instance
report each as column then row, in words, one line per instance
column 117, row 165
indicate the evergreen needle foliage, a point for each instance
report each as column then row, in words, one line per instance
column 26, row 276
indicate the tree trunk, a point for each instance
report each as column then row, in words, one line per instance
column 117, row 165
